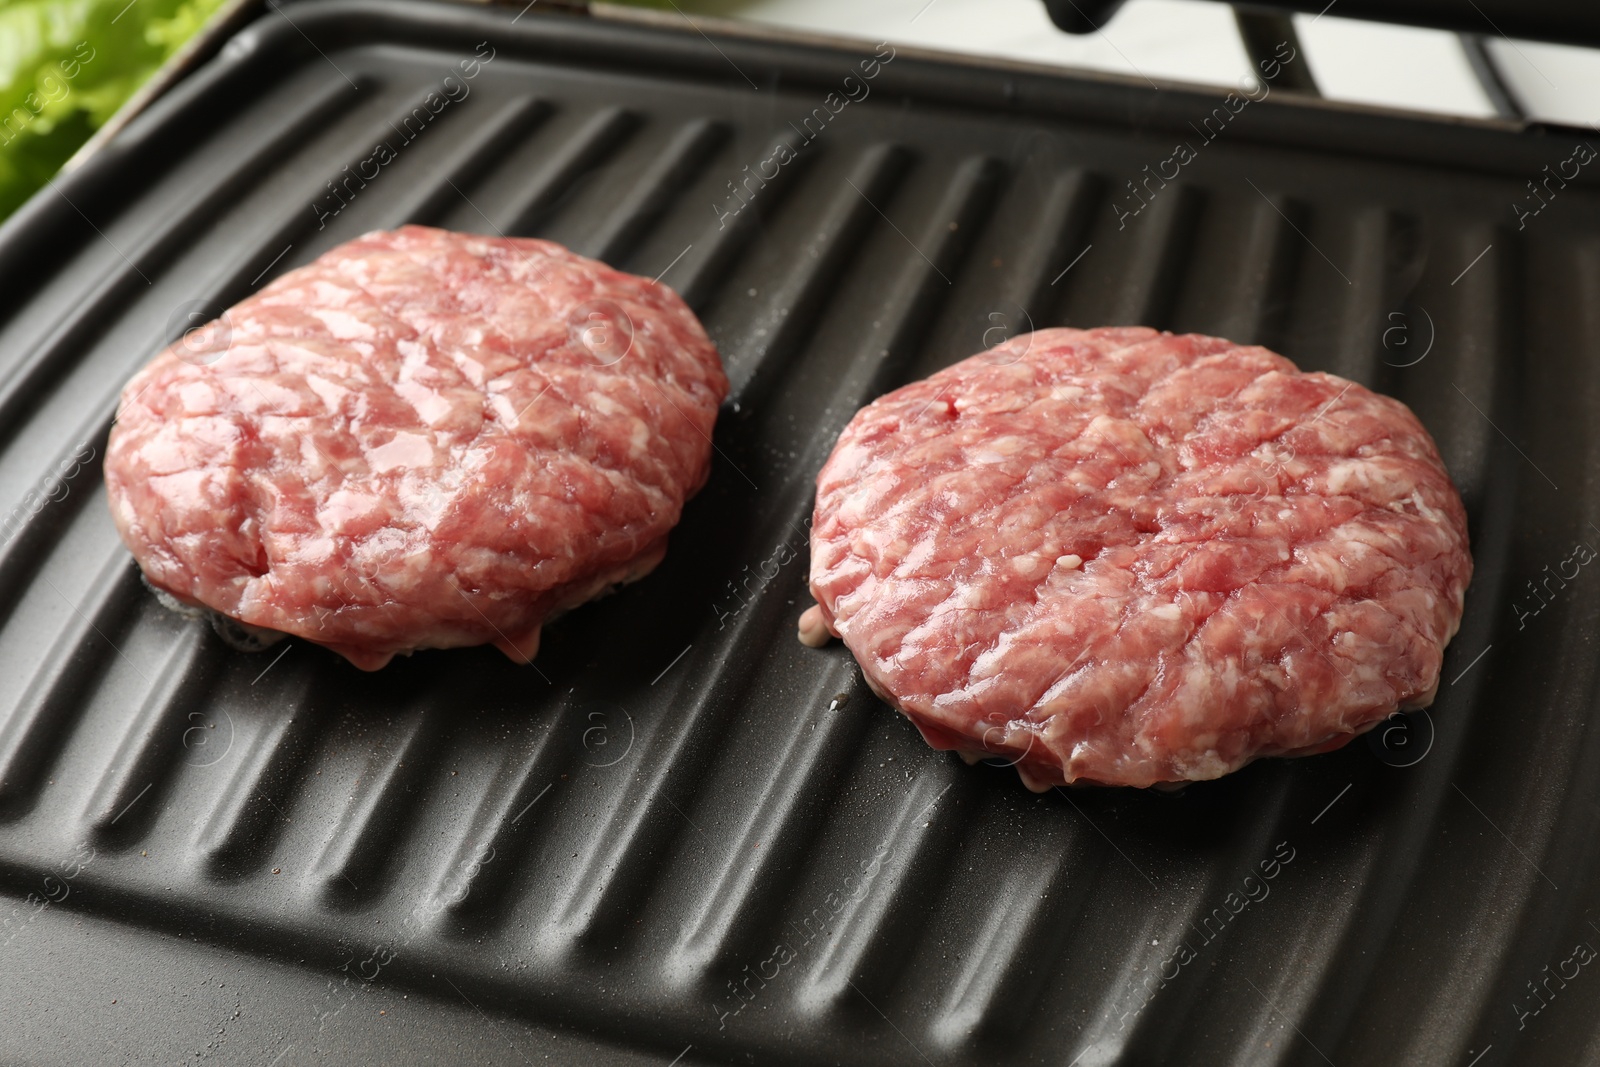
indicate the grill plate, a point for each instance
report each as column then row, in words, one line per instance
column 586, row 859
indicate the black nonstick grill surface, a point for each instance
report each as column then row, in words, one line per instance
column 681, row 833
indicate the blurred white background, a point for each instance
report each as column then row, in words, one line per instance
column 1197, row 41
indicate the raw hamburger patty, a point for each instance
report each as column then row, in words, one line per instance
column 423, row 439
column 1124, row 557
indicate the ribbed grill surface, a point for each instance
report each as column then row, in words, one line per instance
column 682, row 827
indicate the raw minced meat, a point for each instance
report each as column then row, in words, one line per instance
column 423, row 439
column 1125, row 557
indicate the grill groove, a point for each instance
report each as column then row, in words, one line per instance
column 42, row 713
column 600, row 135
column 689, row 151
column 155, row 729
column 355, row 852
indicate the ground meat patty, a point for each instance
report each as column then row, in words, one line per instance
column 1123, row 557
column 423, row 439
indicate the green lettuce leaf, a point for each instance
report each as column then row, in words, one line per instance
column 65, row 68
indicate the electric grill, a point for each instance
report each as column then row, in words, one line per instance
column 681, row 837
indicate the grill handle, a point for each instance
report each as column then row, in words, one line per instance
column 1563, row 21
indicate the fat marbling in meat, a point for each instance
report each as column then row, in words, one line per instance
column 422, row 439
column 1124, row 557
